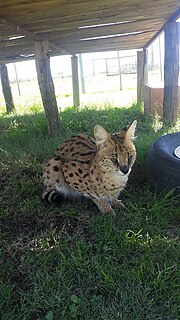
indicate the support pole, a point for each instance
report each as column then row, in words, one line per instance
column 120, row 76
column 171, row 71
column 6, row 89
column 160, row 59
column 17, row 79
column 75, row 81
column 46, row 86
column 142, row 73
column 82, row 74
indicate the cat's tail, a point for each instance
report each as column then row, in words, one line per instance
column 53, row 196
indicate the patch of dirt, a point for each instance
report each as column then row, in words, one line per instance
column 28, row 172
column 174, row 227
column 2, row 180
column 30, row 224
column 69, row 224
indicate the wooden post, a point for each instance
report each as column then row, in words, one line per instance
column 75, row 81
column 6, row 89
column 171, row 71
column 160, row 59
column 82, row 74
column 46, row 86
column 120, row 76
column 142, row 73
column 17, row 79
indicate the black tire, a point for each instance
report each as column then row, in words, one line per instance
column 162, row 166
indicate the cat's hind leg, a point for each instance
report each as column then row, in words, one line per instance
column 52, row 176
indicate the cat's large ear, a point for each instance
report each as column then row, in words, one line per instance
column 131, row 130
column 101, row 135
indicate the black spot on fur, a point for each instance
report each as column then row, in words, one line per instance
column 80, row 170
column 84, row 161
column 77, row 174
column 75, row 154
column 84, row 144
column 56, row 168
column 87, row 153
column 71, row 174
column 73, row 164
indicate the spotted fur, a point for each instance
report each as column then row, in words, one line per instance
column 95, row 168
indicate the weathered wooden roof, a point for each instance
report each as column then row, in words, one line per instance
column 78, row 26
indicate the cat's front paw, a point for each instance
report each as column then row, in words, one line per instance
column 110, row 212
column 107, row 210
column 105, row 207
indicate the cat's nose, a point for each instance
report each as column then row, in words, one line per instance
column 124, row 169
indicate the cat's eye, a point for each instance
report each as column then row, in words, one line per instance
column 114, row 160
column 130, row 158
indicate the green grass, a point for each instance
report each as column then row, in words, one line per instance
column 71, row 262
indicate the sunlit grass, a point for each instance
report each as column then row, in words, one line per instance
column 71, row 262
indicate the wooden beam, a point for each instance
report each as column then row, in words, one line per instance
column 75, row 81
column 6, row 89
column 174, row 17
column 82, row 74
column 30, row 35
column 142, row 73
column 46, row 86
column 171, row 71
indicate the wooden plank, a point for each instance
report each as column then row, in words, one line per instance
column 133, row 41
column 174, row 17
column 30, row 35
column 124, row 43
column 171, row 72
column 142, row 73
column 77, row 34
column 6, row 89
column 75, row 81
column 81, row 68
column 52, row 9
column 46, row 86
column 59, row 20
column 18, row 43
column 74, row 22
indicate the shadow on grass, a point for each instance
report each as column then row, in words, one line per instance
column 47, row 249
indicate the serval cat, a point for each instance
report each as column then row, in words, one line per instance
column 95, row 168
